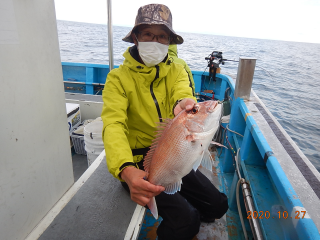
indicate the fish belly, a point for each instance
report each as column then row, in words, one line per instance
column 171, row 162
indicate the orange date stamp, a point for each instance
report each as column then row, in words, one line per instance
column 280, row 215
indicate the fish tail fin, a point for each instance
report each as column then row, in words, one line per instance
column 153, row 207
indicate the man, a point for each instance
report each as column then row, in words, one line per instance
column 147, row 88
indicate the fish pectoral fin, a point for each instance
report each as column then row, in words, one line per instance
column 207, row 160
column 173, row 188
column 153, row 207
column 197, row 162
column 190, row 138
column 218, row 144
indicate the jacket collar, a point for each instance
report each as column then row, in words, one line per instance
column 132, row 61
column 134, row 53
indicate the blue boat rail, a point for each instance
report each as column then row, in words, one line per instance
column 85, row 78
column 278, row 207
column 88, row 78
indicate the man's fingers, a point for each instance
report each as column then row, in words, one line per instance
column 186, row 103
column 141, row 200
column 144, row 186
column 189, row 103
column 189, row 107
column 160, row 189
column 141, row 191
column 156, row 191
column 153, row 188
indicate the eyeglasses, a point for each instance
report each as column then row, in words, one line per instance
column 148, row 37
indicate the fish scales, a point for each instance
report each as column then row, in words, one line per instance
column 180, row 146
column 172, row 153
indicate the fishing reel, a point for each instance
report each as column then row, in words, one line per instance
column 214, row 61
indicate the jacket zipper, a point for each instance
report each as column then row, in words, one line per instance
column 153, row 96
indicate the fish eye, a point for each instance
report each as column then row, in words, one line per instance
column 194, row 110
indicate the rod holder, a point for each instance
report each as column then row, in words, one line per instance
column 244, row 78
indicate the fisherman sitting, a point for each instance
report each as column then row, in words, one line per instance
column 146, row 89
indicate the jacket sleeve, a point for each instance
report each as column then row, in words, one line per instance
column 115, row 129
column 181, row 88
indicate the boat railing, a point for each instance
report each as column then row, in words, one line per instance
column 85, row 78
column 89, row 78
column 274, row 196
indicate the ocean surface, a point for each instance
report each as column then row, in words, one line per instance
column 287, row 74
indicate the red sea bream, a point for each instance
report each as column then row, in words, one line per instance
column 180, row 146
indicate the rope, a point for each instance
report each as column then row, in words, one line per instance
column 233, row 131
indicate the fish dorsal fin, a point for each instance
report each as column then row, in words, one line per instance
column 207, row 160
column 161, row 126
column 173, row 188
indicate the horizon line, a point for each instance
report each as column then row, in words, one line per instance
column 207, row 33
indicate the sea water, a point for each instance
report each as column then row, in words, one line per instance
column 286, row 78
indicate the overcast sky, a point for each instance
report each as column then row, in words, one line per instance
column 289, row 20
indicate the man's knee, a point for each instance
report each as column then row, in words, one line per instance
column 224, row 206
column 215, row 209
column 186, row 226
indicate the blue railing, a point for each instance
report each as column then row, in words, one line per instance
column 279, row 209
column 88, row 78
column 85, row 78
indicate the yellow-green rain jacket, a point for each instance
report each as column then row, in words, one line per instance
column 135, row 98
column 173, row 54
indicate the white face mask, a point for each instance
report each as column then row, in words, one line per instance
column 152, row 53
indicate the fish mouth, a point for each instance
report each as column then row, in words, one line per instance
column 212, row 106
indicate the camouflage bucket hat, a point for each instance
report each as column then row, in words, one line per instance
column 155, row 14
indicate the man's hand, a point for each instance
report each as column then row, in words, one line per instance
column 141, row 191
column 184, row 104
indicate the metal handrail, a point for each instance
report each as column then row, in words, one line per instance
column 96, row 84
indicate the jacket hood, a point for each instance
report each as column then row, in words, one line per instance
column 173, row 50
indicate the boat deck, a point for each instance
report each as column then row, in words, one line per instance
column 218, row 229
column 79, row 164
column 97, row 207
column 100, row 209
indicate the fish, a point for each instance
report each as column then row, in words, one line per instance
column 180, row 145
